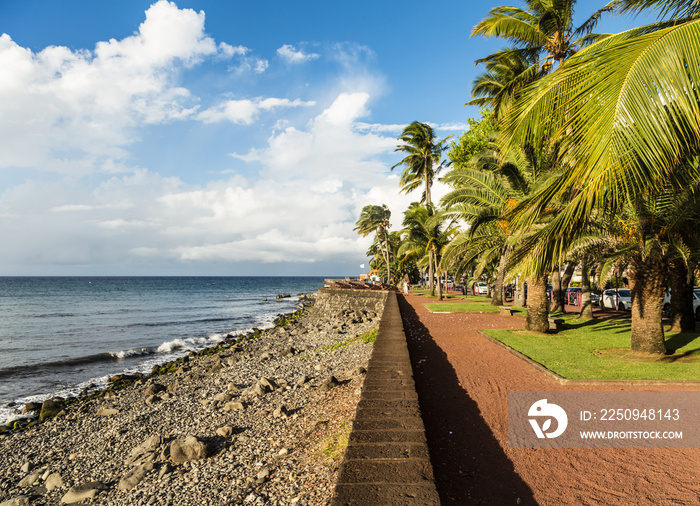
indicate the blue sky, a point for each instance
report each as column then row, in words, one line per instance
column 207, row 137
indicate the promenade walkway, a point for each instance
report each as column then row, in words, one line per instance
column 463, row 380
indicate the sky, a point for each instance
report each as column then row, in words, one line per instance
column 230, row 138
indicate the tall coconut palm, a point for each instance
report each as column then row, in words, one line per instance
column 375, row 219
column 423, row 158
column 544, row 28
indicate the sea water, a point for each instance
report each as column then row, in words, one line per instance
column 59, row 335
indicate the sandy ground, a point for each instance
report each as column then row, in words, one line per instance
column 463, row 382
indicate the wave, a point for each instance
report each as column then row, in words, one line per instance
column 184, row 322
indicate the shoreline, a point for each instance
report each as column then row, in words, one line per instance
column 269, row 414
column 12, row 410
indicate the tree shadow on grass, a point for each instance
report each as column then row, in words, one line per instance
column 469, row 464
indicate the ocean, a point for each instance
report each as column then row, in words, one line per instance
column 61, row 334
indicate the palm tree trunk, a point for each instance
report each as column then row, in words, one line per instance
column 439, row 287
column 386, row 257
column 647, row 283
column 565, row 281
column 537, row 314
column 682, row 316
column 557, row 295
column 431, row 273
column 586, row 308
column 497, row 296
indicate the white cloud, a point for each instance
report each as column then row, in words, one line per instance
column 246, row 111
column 293, row 55
column 229, row 51
column 82, row 106
column 302, row 209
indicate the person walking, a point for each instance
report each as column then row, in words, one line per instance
column 406, row 282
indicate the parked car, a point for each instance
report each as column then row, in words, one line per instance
column 696, row 303
column 480, row 288
column 617, row 298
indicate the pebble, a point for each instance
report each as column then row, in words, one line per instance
column 97, row 445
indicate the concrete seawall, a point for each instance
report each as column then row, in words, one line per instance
column 387, row 460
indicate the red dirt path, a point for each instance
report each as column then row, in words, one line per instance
column 463, row 381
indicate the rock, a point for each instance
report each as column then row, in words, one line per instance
column 282, row 296
column 224, row 431
column 332, row 382
column 26, row 467
column 153, row 389
column 51, row 407
column 232, row 387
column 152, row 399
column 287, row 351
column 280, row 412
column 165, row 469
column 31, row 407
column 359, row 371
column 265, row 356
column 188, row 449
column 20, row 500
column 268, row 383
column 104, row 411
column 145, row 452
column 173, row 387
column 262, row 475
column 302, row 380
column 53, row 481
column 234, row 406
column 81, row 492
column 134, row 477
column 223, row 397
column 29, row 480
column 283, row 452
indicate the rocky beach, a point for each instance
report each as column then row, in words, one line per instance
column 260, row 419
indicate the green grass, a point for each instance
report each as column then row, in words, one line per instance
column 600, row 349
column 367, row 338
column 461, row 307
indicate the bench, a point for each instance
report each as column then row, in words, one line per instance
column 505, row 311
column 556, row 324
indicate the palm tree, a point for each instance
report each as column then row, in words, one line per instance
column 426, row 233
column 544, row 28
column 375, row 219
column 507, row 72
column 423, row 158
column 629, row 130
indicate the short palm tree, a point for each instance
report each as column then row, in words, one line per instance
column 375, row 219
column 426, row 233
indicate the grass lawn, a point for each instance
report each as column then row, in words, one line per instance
column 600, row 349
column 461, row 307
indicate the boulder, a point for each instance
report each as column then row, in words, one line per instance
column 223, row 397
column 145, row 452
column 105, row 411
column 30, row 479
column 31, row 407
column 234, row 406
column 51, row 407
column 53, row 481
column 224, row 431
column 280, row 412
column 20, row 500
column 188, row 449
column 81, row 492
column 153, row 389
column 332, row 382
column 152, row 399
column 134, row 477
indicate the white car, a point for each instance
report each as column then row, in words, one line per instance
column 696, row 303
column 481, row 288
column 620, row 299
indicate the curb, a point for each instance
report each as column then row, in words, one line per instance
column 571, row 381
column 387, row 459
